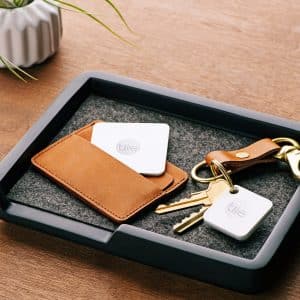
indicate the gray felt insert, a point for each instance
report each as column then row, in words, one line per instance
column 189, row 142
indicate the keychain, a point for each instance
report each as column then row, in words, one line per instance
column 230, row 208
column 262, row 151
column 225, row 207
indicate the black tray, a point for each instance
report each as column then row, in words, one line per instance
column 197, row 126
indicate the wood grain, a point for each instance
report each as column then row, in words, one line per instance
column 241, row 52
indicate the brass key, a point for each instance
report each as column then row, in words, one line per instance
column 191, row 220
column 212, row 194
column 198, row 198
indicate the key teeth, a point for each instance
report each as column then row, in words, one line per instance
column 160, row 206
column 178, row 202
column 180, row 223
column 172, row 203
column 193, row 214
column 185, row 219
column 182, row 200
column 166, row 206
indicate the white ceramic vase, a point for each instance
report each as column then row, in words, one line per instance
column 30, row 34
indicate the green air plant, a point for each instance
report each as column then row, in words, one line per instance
column 12, row 4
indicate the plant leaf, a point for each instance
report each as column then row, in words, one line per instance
column 118, row 13
column 13, row 3
column 7, row 4
column 20, row 3
column 11, row 67
column 21, row 70
column 81, row 10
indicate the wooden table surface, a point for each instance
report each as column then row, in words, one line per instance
column 241, row 52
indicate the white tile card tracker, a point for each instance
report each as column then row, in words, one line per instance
column 238, row 214
column 141, row 146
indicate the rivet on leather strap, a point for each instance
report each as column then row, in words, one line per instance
column 259, row 152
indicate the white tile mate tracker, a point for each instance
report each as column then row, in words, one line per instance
column 141, row 146
column 238, row 214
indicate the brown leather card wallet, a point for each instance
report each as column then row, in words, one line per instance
column 100, row 180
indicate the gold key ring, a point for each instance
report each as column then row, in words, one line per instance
column 290, row 154
column 207, row 179
column 291, row 141
column 281, row 154
column 215, row 163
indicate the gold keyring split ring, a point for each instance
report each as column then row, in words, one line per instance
column 202, row 179
column 291, row 141
column 281, row 154
column 224, row 173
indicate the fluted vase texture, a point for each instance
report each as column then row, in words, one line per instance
column 30, row 34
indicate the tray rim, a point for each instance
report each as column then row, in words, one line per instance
column 282, row 226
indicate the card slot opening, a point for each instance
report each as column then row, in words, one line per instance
column 163, row 182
